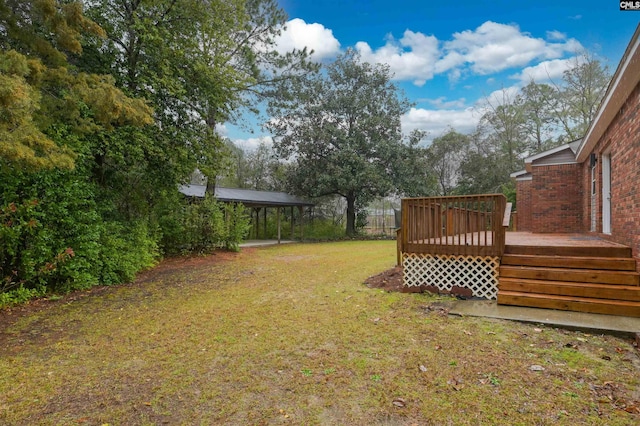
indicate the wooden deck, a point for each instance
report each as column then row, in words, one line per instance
column 578, row 272
column 575, row 272
column 557, row 240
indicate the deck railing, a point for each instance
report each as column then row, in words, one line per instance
column 459, row 225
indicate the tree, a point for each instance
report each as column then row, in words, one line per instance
column 40, row 87
column 257, row 168
column 444, row 157
column 579, row 95
column 504, row 120
column 539, row 122
column 341, row 131
column 197, row 62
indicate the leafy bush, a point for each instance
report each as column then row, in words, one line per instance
column 201, row 226
column 125, row 250
column 20, row 295
column 49, row 230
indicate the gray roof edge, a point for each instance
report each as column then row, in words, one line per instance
column 248, row 196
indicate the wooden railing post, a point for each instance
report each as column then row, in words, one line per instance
column 465, row 225
column 399, row 246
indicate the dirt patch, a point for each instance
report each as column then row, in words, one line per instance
column 165, row 269
column 389, row 280
column 175, row 265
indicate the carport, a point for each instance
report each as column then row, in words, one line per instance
column 258, row 202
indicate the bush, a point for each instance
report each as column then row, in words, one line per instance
column 125, row 250
column 201, row 226
column 49, row 232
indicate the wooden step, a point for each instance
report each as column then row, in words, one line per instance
column 596, row 291
column 565, row 303
column 580, row 262
column 572, row 251
column 574, row 275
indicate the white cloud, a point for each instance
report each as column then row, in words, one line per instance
column 545, row 71
column 556, row 35
column 251, row 144
column 490, row 48
column 411, row 58
column 443, row 103
column 222, row 130
column 437, row 122
column 502, row 96
column 493, row 47
column 298, row 35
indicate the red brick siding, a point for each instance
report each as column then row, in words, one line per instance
column 523, row 206
column 622, row 137
column 556, row 198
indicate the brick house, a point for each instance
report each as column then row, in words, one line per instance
column 592, row 185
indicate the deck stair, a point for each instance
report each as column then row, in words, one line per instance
column 599, row 280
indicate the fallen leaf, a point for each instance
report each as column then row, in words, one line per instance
column 536, row 367
column 633, row 409
column 467, row 333
column 423, row 368
column 399, row 402
column 456, row 383
column 438, row 347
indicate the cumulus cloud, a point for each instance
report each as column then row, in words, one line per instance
column 443, row 103
column 410, row 58
column 545, row 71
column 251, row 144
column 437, row 122
column 556, row 35
column 494, row 47
column 502, row 96
column 299, row 34
column 490, row 48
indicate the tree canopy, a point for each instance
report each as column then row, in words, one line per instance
column 105, row 108
column 341, row 130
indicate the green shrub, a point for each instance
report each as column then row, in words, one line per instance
column 201, row 226
column 125, row 250
column 20, row 295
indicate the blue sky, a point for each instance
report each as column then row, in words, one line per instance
column 448, row 56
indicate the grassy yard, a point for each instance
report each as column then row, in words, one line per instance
column 290, row 335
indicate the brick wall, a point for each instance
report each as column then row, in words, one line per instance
column 622, row 139
column 523, row 206
column 557, row 198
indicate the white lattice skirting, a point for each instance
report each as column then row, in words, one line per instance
column 479, row 274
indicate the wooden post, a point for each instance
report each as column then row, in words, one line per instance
column 265, row 223
column 399, row 246
column 301, row 211
column 293, row 229
column 257, row 223
column 278, row 220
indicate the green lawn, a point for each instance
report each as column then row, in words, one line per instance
column 290, row 335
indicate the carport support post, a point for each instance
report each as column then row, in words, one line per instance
column 301, row 211
column 293, row 230
column 257, row 224
column 278, row 216
column 265, row 223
